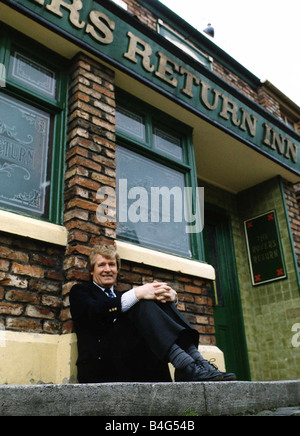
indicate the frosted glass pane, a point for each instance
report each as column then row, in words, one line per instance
column 151, row 204
column 33, row 74
column 130, row 123
column 167, row 144
column 24, row 142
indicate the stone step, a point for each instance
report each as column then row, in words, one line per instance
column 148, row 399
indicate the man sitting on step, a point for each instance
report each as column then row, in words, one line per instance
column 132, row 336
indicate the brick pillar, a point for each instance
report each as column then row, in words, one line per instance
column 269, row 103
column 293, row 215
column 90, row 166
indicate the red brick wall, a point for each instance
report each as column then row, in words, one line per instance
column 235, row 81
column 31, row 275
column 143, row 14
column 294, row 216
column 269, row 103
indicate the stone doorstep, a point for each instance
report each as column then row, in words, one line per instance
column 282, row 411
column 148, row 399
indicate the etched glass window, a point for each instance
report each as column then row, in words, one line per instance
column 151, row 204
column 167, row 143
column 24, row 149
column 131, row 123
column 32, row 74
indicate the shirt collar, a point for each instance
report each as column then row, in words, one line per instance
column 102, row 288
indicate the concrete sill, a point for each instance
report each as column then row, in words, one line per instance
column 135, row 253
column 32, row 228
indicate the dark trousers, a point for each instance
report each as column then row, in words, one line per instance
column 161, row 325
column 138, row 345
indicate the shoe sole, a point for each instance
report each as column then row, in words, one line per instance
column 214, row 379
column 229, row 378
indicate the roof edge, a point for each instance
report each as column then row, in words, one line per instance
column 196, row 36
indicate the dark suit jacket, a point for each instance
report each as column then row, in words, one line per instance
column 110, row 347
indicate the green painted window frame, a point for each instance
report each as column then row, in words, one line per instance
column 187, row 166
column 56, row 107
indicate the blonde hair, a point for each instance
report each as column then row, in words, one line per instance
column 108, row 251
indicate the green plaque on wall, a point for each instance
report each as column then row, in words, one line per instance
column 264, row 249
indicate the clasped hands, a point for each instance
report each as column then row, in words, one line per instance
column 158, row 291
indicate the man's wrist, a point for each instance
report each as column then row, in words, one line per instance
column 138, row 293
column 128, row 300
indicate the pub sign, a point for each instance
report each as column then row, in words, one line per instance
column 264, row 249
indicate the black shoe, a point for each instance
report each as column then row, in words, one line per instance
column 196, row 372
column 227, row 376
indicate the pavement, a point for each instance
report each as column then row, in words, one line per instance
column 278, row 398
column 282, row 411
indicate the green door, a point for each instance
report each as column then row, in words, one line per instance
column 219, row 252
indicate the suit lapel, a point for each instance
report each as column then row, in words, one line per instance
column 98, row 293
